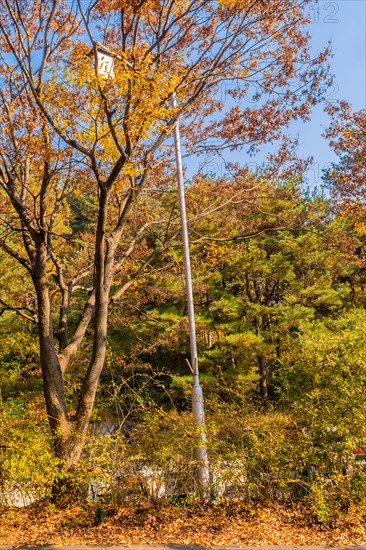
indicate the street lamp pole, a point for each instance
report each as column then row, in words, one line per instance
column 200, row 452
column 105, row 68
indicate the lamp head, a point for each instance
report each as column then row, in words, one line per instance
column 105, row 61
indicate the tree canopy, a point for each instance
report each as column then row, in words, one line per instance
column 92, row 303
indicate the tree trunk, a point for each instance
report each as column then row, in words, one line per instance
column 103, row 275
column 53, row 386
column 262, row 362
column 69, row 434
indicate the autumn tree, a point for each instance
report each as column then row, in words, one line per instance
column 347, row 136
column 264, row 263
column 69, row 134
column 345, row 181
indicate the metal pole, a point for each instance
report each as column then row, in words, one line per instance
column 200, row 452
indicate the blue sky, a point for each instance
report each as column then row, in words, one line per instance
column 343, row 23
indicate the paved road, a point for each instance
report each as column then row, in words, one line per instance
column 181, row 547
